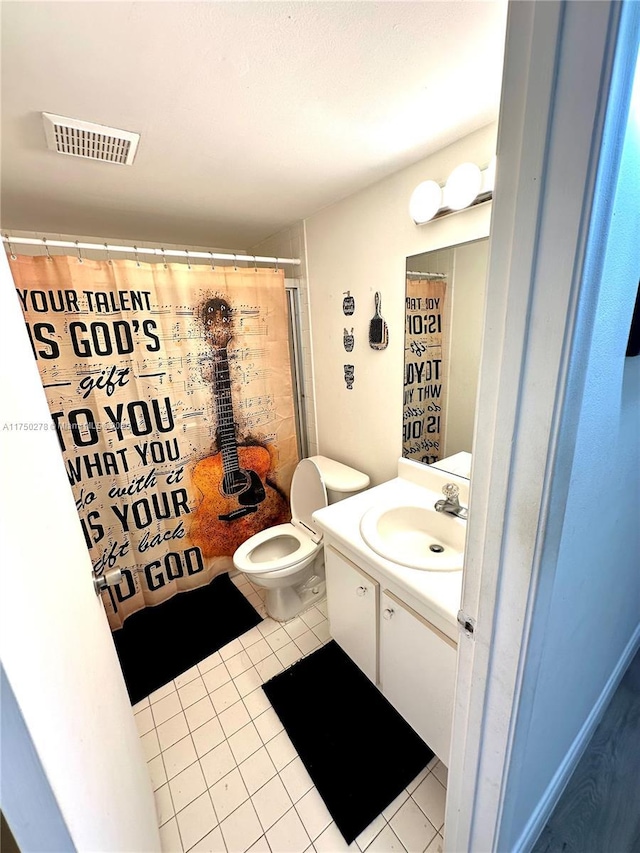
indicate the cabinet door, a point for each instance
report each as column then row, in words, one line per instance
column 352, row 600
column 417, row 671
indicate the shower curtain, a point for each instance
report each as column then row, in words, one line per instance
column 170, row 390
column 426, row 356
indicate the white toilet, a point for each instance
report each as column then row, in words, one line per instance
column 287, row 560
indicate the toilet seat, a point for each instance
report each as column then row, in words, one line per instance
column 279, row 566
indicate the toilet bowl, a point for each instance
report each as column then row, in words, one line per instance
column 287, row 560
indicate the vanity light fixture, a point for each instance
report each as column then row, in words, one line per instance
column 466, row 186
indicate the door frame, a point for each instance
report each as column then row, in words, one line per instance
column 565, row 65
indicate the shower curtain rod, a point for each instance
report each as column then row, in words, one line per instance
column 140, row 250
column 427, row 274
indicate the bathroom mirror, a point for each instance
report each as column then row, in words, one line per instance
column 444, row 308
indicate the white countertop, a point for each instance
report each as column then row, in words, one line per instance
column 437, row 592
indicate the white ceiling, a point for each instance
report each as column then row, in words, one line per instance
column 253, row 114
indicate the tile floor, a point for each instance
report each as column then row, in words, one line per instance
column 226, row 777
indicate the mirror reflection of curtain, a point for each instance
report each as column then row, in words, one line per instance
column 426, row 352
column 170, row 389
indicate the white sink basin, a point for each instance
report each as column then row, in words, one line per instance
column 415, row 536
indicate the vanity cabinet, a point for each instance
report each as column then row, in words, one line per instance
column 352, row 601
column 411, row 661
column 417, row 672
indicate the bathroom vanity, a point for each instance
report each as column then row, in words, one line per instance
column 397, row 622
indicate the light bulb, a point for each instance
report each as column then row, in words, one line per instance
column 426, row 201
column 463, row 185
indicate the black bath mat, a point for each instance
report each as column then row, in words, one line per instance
column 358, row 750
column 158, row 643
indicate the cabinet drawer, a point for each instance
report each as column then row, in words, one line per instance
column 417, row 671
column 352, row 601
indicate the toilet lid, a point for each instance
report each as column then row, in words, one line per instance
column 307, row 495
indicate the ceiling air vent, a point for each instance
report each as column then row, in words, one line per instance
column 95, row 141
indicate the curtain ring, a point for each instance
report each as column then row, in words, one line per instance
column 44, row 240
column 186, row 251
column 213, row 266
column 109, row 261
column 79, row 253
column 235, row 262
column 164, row 259
column 135, row 252
column 277, row 268
column 255, row 264
column 12, row 254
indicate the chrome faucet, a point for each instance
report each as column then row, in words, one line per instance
column 451, row 504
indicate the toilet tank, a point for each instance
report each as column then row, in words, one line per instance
column 340, row 480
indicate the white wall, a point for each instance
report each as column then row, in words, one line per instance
column 361, row 244
column 594, row 619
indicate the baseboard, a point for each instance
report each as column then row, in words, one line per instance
column 555, row 788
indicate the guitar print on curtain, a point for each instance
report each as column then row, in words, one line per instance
column 170, row 390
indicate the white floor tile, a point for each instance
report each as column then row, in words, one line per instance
column 172, row 731
column 256, row 702
column 436, row 846
column 268, row 626
column 322, row 631
column 187, row 786
column 234, row 718
column 386, row 842
column 209, row 663
column 170, row 837
column 245, row 742
column 419, row 778
column 281, row 750
column 332, row 841
column 307, row 642
column 217, row 763
column 256, row 599
column 241, row 829
column 207, row 736
column 295, row 627
column 288, row 834
column 369, row 833
column 231, row 649
column 247, row 681
column 259, row 651
column 192, row 692
column 150, row 745
column 187, row 676
column 271, row 802
column 179, row 756
column 393, row 807
column 289, row 654
column 251, row 637
column 157, row 772
column 238, row 663
column 430, row 795
column 313, row 813
column 278, row 639
column 216, row 677
column 296, row 779
column 143, row 703
column 200, row 713
column 166, row 708
column 196, row 820
column 441, row 773
column 412, row 827
column 164, row 804
column 268, row 725
column 144, row 721
column 224, row 697
column 257, row 770
column 322, row 607
column 161, row 692
column 229, row 793
column 312, row 616
column 269, row 667
column 261, row 846
column 211, row 843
